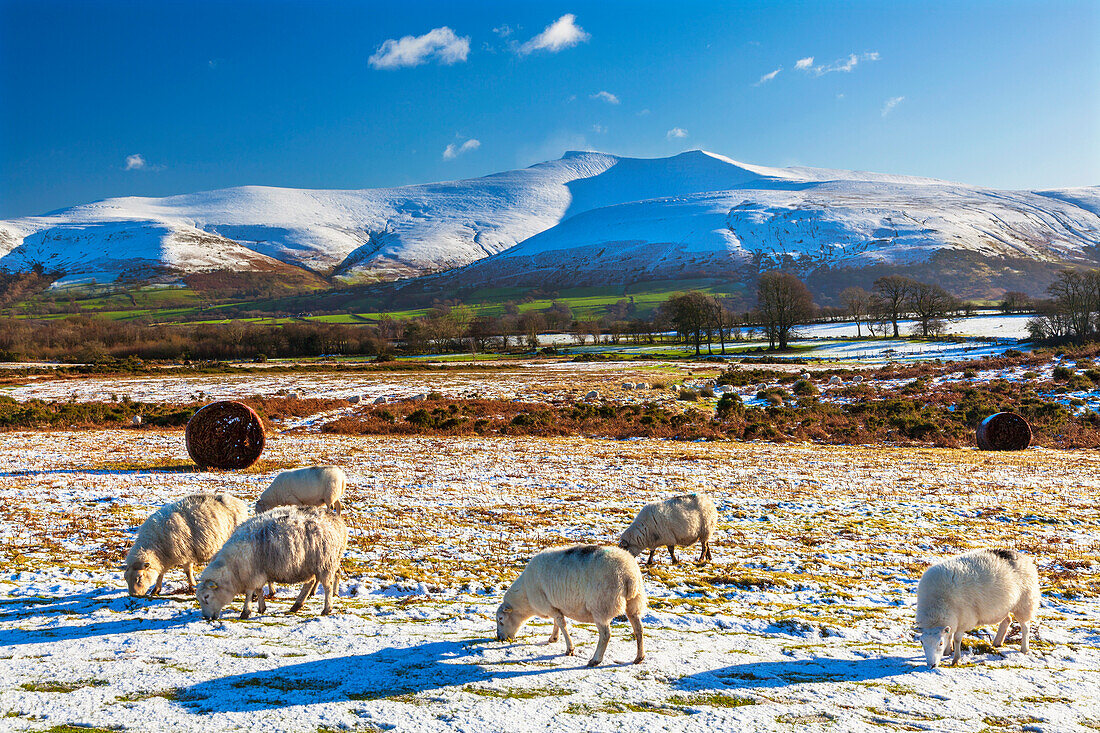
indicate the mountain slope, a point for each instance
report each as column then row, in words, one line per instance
column 584, row 219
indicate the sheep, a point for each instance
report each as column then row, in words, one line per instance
column 313, row 486
column 679, row 521
column 289, row 544
column 182, row 533
column 974, row 589
column 587, row 583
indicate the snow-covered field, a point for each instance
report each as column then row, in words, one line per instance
column 803, row 622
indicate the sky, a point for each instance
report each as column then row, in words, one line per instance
column 105, row 99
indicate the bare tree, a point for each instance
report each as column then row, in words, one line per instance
column 858, row 302
column 690, row 314
column 931, row 305
column 893, row 290
column 783, row 302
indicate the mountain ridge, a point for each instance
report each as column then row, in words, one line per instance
column 587, row 216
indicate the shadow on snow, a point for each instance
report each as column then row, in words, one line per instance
column 797, row 671
column 386, row 673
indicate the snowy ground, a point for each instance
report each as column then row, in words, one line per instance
column 803, row 622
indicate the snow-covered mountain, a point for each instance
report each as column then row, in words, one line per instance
column 588, row 217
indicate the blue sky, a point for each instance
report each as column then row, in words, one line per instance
column 105, row 99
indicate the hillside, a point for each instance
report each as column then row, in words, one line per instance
column 585, row 219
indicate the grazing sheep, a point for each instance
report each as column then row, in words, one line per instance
column 835, row 380
column 587, row 583
column 379, row 400
column 182, row 533
column 313, row 486
column 592, row 395
column 971, row 590
column 288, row 544
column 679, row 521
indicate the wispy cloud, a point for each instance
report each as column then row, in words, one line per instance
column 768, row 77
column 848, row 63
column 504, row 30
column 440, row 44
column 563, row 33
column 598, row 129
column 643, row 112
column 890, row 103
column 454, row 150
column 605, row 97
column 135, row 162
column 675, row 133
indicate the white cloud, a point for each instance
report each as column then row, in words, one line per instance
column 605, row 97
column 599, row 129
column 768, row 77
column 452, row 151
column 135, row 162
column 892, row 102
column 439, row 43
column 676, row 132
column 644, row 112
column 503, row 30
column 563, row 33
column 845, row 64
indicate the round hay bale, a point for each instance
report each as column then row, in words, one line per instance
column 225, row 435
column 1004, row 431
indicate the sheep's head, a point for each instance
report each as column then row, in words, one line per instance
column 935, row 641
column 508, row 621
column 212, row 598
column 631, row 543
column 141, row 575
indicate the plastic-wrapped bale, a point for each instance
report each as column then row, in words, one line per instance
column 225, row 435
column 1004, row 431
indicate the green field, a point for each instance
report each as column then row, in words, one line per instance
column 185, row 305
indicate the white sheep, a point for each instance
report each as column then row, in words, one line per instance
column 971, row 590
column 181, row 534
column 587, row 583
column 288, row 544
column 313, row 486
column 679, row 521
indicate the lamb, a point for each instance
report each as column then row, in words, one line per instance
column 182, row 533
column 679, row 521
column 288, row 544
column 587, row 583
column 971, row 590
column 313, row 486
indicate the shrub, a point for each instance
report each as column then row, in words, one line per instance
column 729, row 405
column 688, row 395
column 804, row 388
column 707, row 393
column 1062, row 373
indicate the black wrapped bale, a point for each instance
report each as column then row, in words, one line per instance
column 225, row 435
column 1004, row 431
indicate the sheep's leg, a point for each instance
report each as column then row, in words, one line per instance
column 636, row 624
column 958, row 648
column 246, row 611
column 270, row 590
column 190, row 570
column 651, row 551
column 710, row 557
column 1025, row 627
column 601, row 647
column 307, row 589
column 554, row 633
column 702, row 552
column 160, row 581
column 261, row 604
column 328, row 593
column 1002, row 631
column 559, row 623
column 672, row 552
